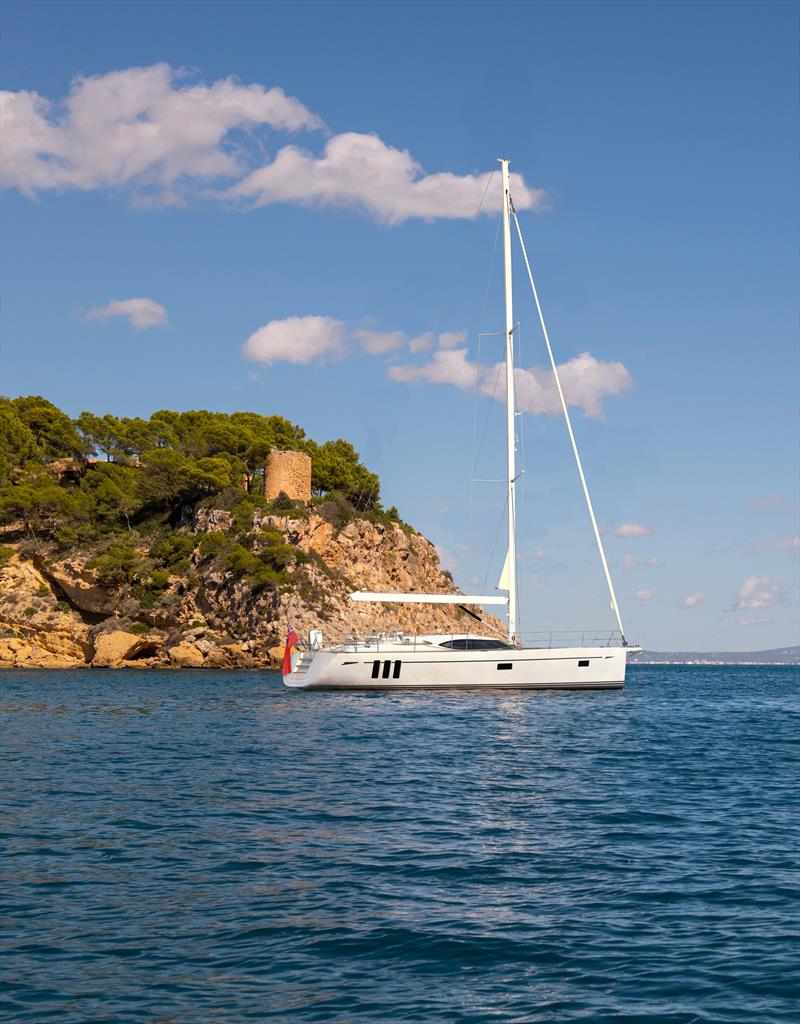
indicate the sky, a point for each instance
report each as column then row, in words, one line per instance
column 293, row 209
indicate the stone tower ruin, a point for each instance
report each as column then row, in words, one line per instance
column 289, row 472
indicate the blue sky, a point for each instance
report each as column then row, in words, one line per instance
column 658, row 149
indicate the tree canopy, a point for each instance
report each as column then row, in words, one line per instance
column 103, row 472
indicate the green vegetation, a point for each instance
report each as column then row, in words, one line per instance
column 79, row 478
column 124, row 493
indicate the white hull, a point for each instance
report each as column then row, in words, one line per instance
column 390, row 668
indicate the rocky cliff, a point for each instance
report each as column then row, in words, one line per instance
column 68, row 610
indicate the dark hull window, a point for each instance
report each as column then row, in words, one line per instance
column 478, row 643
column 504, row 665
column 397, row 667
column 583, row 664
column 376, row 668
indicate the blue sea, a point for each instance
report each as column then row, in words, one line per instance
column 196, row 847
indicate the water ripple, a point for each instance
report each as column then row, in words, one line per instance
column 210, row 847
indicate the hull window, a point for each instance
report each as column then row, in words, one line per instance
column 386, row 668
column 583, row 664
column 475, row 643
column 376, row 668
column 503, row 665
column 397, row 667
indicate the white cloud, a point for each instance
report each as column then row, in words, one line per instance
column 451, row 339
column 421, row 343
column 644, row 595
column 753, row 622
column 155, row 133
column 297, row 339
column 378, row 343
column 692, row 600
column 141, row 312
column 447, row 366
column 306, row 339
column 362, row 171
column 628, row 562
column 585, row 380
column 758, row 592
column 633, row 530
column 139, row 127
column 780, row 544
column 767, row 502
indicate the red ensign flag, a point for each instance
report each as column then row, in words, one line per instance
column 291, row 640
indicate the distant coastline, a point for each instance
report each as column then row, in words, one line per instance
column 774, row 656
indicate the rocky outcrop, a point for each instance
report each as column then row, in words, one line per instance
column 115, row 647
column 367, row 556
column 55, row 612
column 208, row 519
column 186, row 655
column 36, row 629
column 77, row 584
column 17, row 652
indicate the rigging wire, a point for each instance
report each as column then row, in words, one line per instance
column 521, row 491
column 568, row 421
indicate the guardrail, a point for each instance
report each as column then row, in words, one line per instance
column 542, row 639
column 572, row 638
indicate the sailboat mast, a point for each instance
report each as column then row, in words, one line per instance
column 510, row 410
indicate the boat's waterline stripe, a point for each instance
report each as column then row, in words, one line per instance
column 609, row 684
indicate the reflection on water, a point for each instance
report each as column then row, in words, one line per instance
column 201, row 846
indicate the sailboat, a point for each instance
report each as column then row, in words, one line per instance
column 466, row 660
